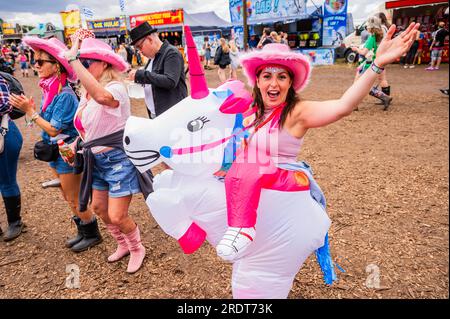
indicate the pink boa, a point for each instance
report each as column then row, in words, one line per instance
column 51, row 87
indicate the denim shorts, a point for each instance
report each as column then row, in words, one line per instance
column 114, row 172
column 436, row 53
column 61, row 167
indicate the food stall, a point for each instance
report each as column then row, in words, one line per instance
column 426, row 12
column 112, row 29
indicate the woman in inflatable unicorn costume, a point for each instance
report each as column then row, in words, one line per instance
column 269, row 215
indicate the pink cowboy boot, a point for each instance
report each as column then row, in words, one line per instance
column 137, row 250
column 122, row 247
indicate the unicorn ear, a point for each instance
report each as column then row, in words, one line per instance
column 222, row 94
column 236, row 103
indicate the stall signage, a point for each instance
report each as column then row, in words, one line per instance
column 334, row 22
column 108, row 24
column 264, row 10
column 334, row 7
column 158, row 18
column 322, row 56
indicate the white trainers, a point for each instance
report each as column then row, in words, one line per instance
column 53, row 183
column 234, row 242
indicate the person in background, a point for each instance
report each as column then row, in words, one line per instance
column 412, row 53
column 207, row 49
column 265, row 38
column 369, row 53
column 234, row 57
column 122, row 52
column 163, row 76
column 437, row 46
column 23, row 60
column 253, row 42
column 10, row 146
column 382, row 81
column 222, row 59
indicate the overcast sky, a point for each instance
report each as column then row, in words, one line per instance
column 32, row 12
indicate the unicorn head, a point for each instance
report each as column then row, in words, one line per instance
column 191, row 137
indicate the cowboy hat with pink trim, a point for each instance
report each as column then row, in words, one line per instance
column 277, row 54
column 55, row 48
column 98, row 50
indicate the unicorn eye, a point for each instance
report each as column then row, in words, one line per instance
column 197, row 124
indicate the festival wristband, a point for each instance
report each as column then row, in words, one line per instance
column 375, row 68
column 73, row 58
column 34, row 117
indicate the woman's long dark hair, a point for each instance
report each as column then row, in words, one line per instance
column 291, row 100
column 384, row 20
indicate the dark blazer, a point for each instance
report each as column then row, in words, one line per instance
column 167, row 78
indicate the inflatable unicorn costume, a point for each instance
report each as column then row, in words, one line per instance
column 196, row 138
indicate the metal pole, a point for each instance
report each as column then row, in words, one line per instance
column 244, row 18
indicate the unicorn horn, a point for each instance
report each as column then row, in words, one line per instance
column 199, row 87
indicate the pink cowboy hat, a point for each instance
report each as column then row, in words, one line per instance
column 98, row 50
column 55, row 48
column 278, row 54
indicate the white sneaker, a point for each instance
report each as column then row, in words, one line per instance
column 405, row 66
column 234, row 242
column 53, row 183
column 412, row 66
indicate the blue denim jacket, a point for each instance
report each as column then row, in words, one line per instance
column 323, row 254
column 60, row 113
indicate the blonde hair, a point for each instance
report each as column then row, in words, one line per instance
column 275, row 36
column 109, row 74
column 224, row 45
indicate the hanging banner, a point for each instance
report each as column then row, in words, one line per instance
column 334, row 30
column 71, row 21
column 8, row 28
column 158, row 18
column 111, row 25
column 238, row 36
column 333, row 7
column 267, row 10
column 334, row 22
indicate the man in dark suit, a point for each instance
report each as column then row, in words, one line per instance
column 163, row 77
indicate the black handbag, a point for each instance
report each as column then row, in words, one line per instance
column 46, row 152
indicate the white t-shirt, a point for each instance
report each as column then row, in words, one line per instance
column 149, row 93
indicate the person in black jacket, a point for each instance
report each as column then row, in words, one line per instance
column 222, row 58
column 163, row 77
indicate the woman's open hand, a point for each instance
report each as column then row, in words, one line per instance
column 390, row 49
column 23, row 103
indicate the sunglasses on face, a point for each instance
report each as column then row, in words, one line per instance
column 88, row 62
column 41, row 62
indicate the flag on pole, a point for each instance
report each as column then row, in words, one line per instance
column 88, row 13
column 122, row 5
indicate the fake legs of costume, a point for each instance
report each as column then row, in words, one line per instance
column 8, row 183
column 244, row 183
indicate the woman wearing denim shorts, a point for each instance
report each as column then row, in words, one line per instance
column 55, row 118
column 103, row 111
